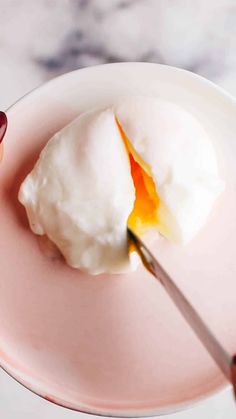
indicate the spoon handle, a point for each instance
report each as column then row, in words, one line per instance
column 225, row 362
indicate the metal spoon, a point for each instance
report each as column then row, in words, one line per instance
column 223, row 359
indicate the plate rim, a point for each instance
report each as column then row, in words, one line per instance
column 171, row 409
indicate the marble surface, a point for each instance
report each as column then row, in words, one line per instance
column 44, row 38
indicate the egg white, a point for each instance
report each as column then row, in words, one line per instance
column 81, row 192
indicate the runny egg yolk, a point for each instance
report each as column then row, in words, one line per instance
column 144, row 215
column 145, row 211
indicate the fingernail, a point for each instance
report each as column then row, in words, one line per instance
column 3, row 125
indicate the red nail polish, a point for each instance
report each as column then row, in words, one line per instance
column 3, row 125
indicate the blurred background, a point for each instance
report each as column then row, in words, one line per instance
column 44, row 38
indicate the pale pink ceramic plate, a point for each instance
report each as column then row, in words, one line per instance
column 114, row 345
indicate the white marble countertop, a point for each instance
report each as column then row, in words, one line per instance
column 44, row 38
column 41, row 39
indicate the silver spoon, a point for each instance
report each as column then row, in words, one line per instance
column 223, row 359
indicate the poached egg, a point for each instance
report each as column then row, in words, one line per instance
column 173, row 155
column 144, row 162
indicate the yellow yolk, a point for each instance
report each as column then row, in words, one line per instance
column 145, row 210
column 144, row 215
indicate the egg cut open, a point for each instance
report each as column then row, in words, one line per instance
column 144, row 215
column 143, row 163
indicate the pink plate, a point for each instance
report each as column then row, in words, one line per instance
column 114, row 345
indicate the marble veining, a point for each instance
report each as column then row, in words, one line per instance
column 42, row 39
